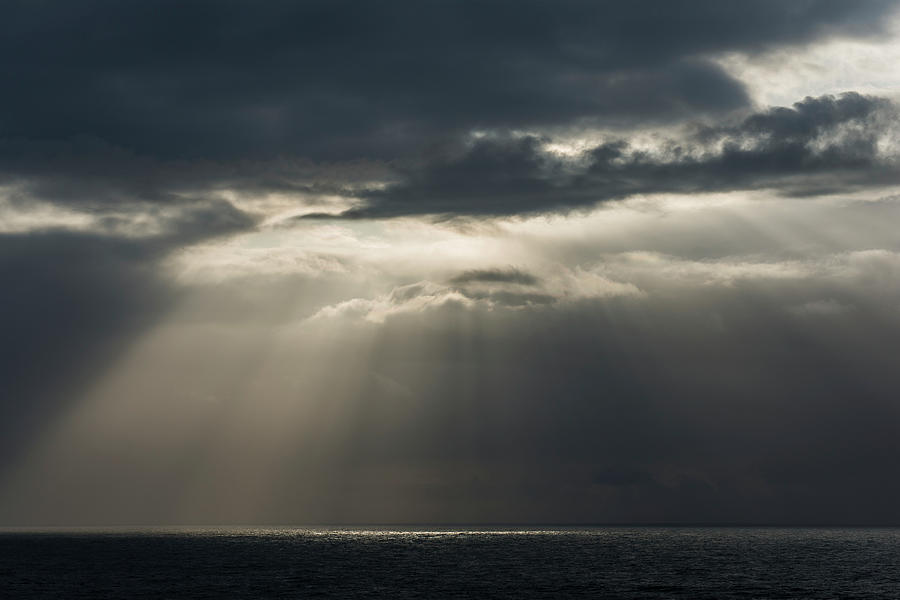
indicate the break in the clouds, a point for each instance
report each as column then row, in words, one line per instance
column 309, row 262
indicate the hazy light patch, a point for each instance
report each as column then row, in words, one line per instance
column 20, row 212
column 655, row 144
column 258, row 417
column 398, row 246
column 277, row 208
column 560, row 285
column 306, row 250
column 34, row 216
column 271, row 383
column 569, row 149
column 820, row 308
column 669, row 203
column 413, row 298
column 580, row 283
column 669, row 269
column 779, row 78
column 640, row 222
column 194, row 409
column 706, row 239
column 217, row 263
column 872, row 269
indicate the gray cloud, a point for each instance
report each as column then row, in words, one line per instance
column 242, row 97
column 510, row 275
column 819, row 145
column 338, row 79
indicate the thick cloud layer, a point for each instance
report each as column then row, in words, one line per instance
column 820, row 145
column 343, row 79
column 118, row 103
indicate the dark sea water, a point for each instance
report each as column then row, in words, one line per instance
column 547, row 563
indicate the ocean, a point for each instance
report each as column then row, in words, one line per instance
column 608, row 562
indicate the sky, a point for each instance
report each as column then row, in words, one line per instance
column 449, row 262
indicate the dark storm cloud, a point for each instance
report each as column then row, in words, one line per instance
column 819, row 145
column 344, row 79
column 86, row 173
column 111, row 102
column 349, row 79
column 810, row 117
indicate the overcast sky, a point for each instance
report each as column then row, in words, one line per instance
column 449, row 262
